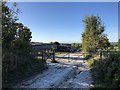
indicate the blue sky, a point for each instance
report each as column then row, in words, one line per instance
column 62, row 21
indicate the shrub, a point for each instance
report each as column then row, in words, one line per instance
column 87, row 56
column 107, row 71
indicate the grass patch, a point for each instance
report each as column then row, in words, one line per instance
column 24, row 71
column 91, row 61
column 87, row 56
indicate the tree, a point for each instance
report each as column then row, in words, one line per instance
column 15, row 38
column 93, row 36
column 51, row 42
column 22, row 40
column 56, row 43
column 111, row 47
column 8, row 27
column 76, row 45
column 104, row 42
column 119, row 44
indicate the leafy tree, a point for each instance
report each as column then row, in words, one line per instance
column 51, row 42
column 22, row 40
column 111, row 47
column 104, row 42
column 119, row 44
column 93, row 37
column 15, row 38
column 76, row 45
column 109, row 74
column 8, row 27
column 17, row 62
column 56, row 43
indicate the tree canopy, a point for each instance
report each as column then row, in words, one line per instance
column 93, row 36
column 76, row 45
column 56, row 43
column 15, row 38
column 119, row 44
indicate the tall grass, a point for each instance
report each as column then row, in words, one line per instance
column 23, row 71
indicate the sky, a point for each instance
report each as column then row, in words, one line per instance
column 62, row 21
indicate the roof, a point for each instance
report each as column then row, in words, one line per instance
column 42, row 46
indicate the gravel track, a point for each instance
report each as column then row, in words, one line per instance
column 70, row 72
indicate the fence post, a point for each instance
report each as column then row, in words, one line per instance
column 43, row 56
column 68, row 57
column 100, row 54
column 53, row 54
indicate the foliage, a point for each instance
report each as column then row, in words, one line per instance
column 76, row 45
column 93, row 36
column 91, row 61
column 119, row 44
column 23, row 72
column 22, row 40
column 51, row 42
column 87, row 56
column 111, row 47
column 107, row 71
column 16, row 38
column 56, row 43
column 8, row 27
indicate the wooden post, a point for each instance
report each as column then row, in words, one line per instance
column 48, row 51
column 68, row 57
column 53, row 55
column 53, row 58
column 43, row 56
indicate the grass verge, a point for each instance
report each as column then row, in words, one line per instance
column 23, row 72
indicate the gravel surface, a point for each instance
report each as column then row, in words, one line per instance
column 71, row 72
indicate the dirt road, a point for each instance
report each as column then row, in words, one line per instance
column 71, row 72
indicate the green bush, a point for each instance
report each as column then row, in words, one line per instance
column 91, row 61
column 23, row 71
column 87, row 56
column 107, row 71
